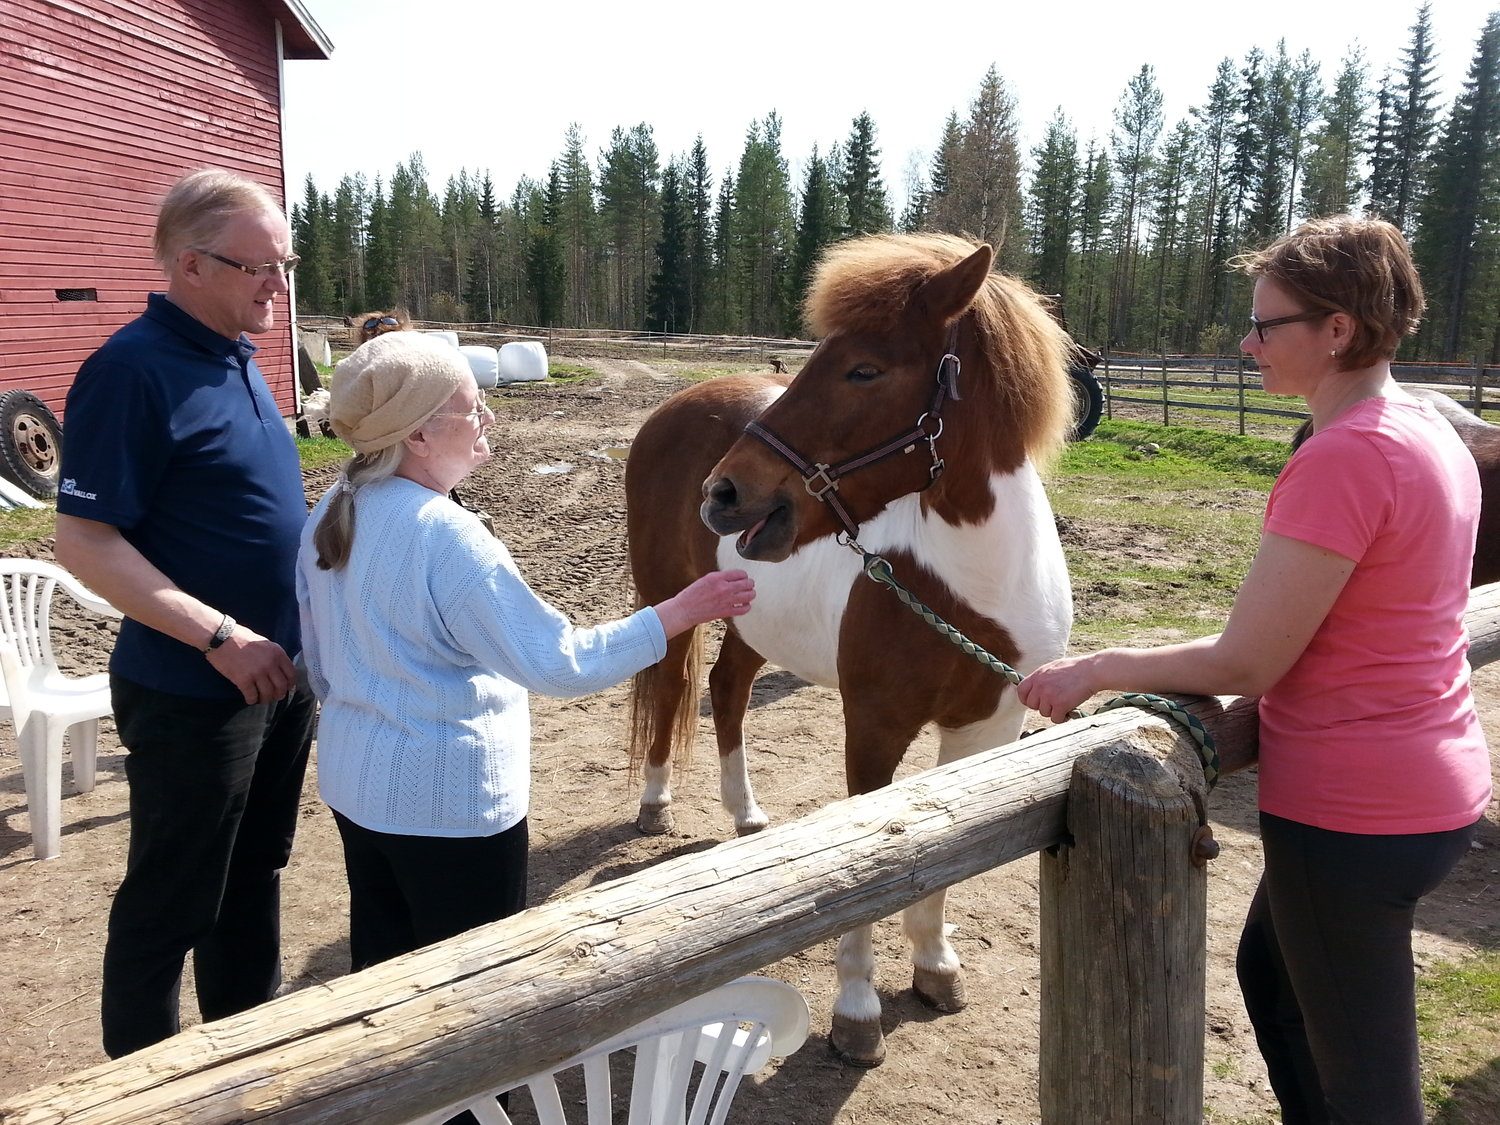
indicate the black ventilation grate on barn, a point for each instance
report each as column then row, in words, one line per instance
column 77, row 294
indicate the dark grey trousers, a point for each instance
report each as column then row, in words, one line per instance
column 1325, row 964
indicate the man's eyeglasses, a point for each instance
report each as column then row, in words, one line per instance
column 477, row 414
column 377, row 321
column 1260, row 326
column 283, row 267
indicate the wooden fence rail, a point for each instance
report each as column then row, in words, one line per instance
column 520, row 995
column 1235, row 375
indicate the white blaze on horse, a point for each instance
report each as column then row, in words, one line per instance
column 916, row 425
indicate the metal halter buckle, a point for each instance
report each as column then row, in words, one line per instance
column 811, row 479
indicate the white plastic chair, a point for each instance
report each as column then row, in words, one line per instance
column 43, row 702
column 766, row 1018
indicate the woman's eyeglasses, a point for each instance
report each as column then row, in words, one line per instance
column 477, row 414
column 377, row 321
column 1260, row 326
column 283, row 267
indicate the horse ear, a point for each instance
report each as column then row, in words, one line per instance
column 946, row 296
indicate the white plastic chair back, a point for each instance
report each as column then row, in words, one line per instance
column 43, row 702
column 687, row 1066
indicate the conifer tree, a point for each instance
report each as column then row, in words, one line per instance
column 1381, row 189
column 1306, row 88
column 1215, row 142
column 380, row 253
column 310, row 243
column 984, row 196
column 1414, row 118
column 546, row 267
column 1052, row 204
column 725, row 316
column 346, row 237
column 1332, row 183
column 1458, row 216
column 1089, row 319
column 860, row 182
column 1266, row 216
column 576, row 225
column 942, row 204
column 698, row 189
column 817, row 226
column 669, row 308
column 1169, row 188
column 1138, row 123
column 762, row 230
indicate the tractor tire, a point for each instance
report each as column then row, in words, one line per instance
column 1089, row 399
column 30, row 444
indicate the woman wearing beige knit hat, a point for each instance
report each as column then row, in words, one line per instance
column 422, row 641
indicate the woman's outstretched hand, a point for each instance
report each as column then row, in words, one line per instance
column 720, row 593
column 1055, row 689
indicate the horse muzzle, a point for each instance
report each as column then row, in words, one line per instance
column 765, row 532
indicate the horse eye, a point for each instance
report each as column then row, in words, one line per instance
column 865, row 373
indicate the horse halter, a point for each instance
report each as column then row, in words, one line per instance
column 822, row 479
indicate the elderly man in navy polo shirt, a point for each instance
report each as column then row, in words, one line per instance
column 181, row 502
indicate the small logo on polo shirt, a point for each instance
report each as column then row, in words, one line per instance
column 69, row 487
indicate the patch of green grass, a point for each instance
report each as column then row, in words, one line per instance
column 1182, row 452
column 1159, row 526
column 320, row 452
column 22, row 525
column 1458, row 1020
column 568, row 372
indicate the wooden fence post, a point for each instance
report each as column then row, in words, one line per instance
column 1124, row 918
column 1239, row 380
column 1479, row 386
column 1166, row 395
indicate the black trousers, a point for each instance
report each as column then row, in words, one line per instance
column 1325, row 964
column 214, row 789
column 409, row 891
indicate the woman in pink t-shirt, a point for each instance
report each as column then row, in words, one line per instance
column 1373, row 769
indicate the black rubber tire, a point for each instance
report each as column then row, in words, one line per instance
column 1089, row 396
column 30, row 444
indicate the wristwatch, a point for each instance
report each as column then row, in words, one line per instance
column 221, row 634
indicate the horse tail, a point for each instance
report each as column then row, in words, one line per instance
column 651, row 689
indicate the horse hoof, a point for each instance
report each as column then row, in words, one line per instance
column 857, row 1042
column 655, row 821
column 943, row 992
column 751, row 828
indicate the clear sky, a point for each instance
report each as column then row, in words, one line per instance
column 494, row 86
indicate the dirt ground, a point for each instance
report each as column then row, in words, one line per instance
column 565, row 527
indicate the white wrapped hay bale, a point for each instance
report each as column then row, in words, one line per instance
column 523, row 361
column 484, row 361
column 441, row 334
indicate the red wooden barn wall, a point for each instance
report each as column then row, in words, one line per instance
column 103, row 105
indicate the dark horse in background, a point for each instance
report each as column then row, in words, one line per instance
column 917, row 424
column 1483, row 442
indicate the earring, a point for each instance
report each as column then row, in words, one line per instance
column 1334, row 353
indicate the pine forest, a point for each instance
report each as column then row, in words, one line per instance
column 1135, row 234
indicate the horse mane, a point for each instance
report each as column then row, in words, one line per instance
column 864, row 285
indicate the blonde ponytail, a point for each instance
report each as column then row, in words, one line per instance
column 334, row 535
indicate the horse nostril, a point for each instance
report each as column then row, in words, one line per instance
column 720, row 492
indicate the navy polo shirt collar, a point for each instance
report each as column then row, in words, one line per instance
column 161, row 309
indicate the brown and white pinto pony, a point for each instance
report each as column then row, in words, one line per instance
column 962, row 519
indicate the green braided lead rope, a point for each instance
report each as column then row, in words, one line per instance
column 880, row 570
